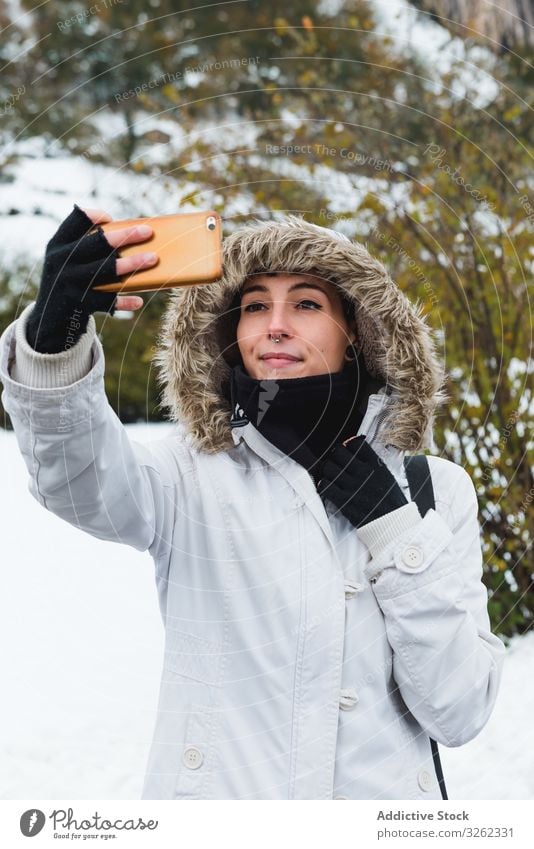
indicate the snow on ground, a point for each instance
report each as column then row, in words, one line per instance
column 82, row 643
column 499, row 763
column 82, row 646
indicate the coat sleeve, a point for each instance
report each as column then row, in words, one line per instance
column 447, row 663
column 82, row 465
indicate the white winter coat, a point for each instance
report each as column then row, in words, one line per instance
column 297, row 665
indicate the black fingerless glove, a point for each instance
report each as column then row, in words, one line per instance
column 74, row 263
column 357, row 481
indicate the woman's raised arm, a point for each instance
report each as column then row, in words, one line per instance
column 81, row 463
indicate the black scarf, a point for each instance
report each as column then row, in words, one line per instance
column 303, row 416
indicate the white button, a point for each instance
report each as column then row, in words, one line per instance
column 425, row 781
column 192, row 757
column 349, row 699
column 351, row 588
column 412, row 556
column 341, row 797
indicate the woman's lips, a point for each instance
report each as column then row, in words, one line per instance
column 279, row 360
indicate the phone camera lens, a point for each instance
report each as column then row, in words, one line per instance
column 211, row 223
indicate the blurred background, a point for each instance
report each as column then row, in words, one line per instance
column 407, row 126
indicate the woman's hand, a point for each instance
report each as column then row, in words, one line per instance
column 76, row 261
column 126, row 236
column 356, row 480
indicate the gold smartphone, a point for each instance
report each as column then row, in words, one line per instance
column 188, row 246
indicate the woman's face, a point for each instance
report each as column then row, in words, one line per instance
column 305, row 312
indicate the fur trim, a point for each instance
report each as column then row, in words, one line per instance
column 196, row 345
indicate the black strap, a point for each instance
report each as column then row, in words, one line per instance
column 420, row 481
column 422, row 492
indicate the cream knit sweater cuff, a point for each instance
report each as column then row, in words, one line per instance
column 380, row 532
column 50, row 371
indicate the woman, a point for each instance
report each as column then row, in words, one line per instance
column 319, row 632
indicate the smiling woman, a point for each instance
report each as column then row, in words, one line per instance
column 303, row 315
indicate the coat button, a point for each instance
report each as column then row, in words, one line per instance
column 351, row 588
column 192, row 757
column 349, row 699
column 425, row 781
column 412, row 556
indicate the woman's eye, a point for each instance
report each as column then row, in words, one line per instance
column 306, row 304
column 313, row 304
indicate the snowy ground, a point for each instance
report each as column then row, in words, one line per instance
column 82, row 647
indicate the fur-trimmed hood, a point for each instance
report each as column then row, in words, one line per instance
column 196, row 347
